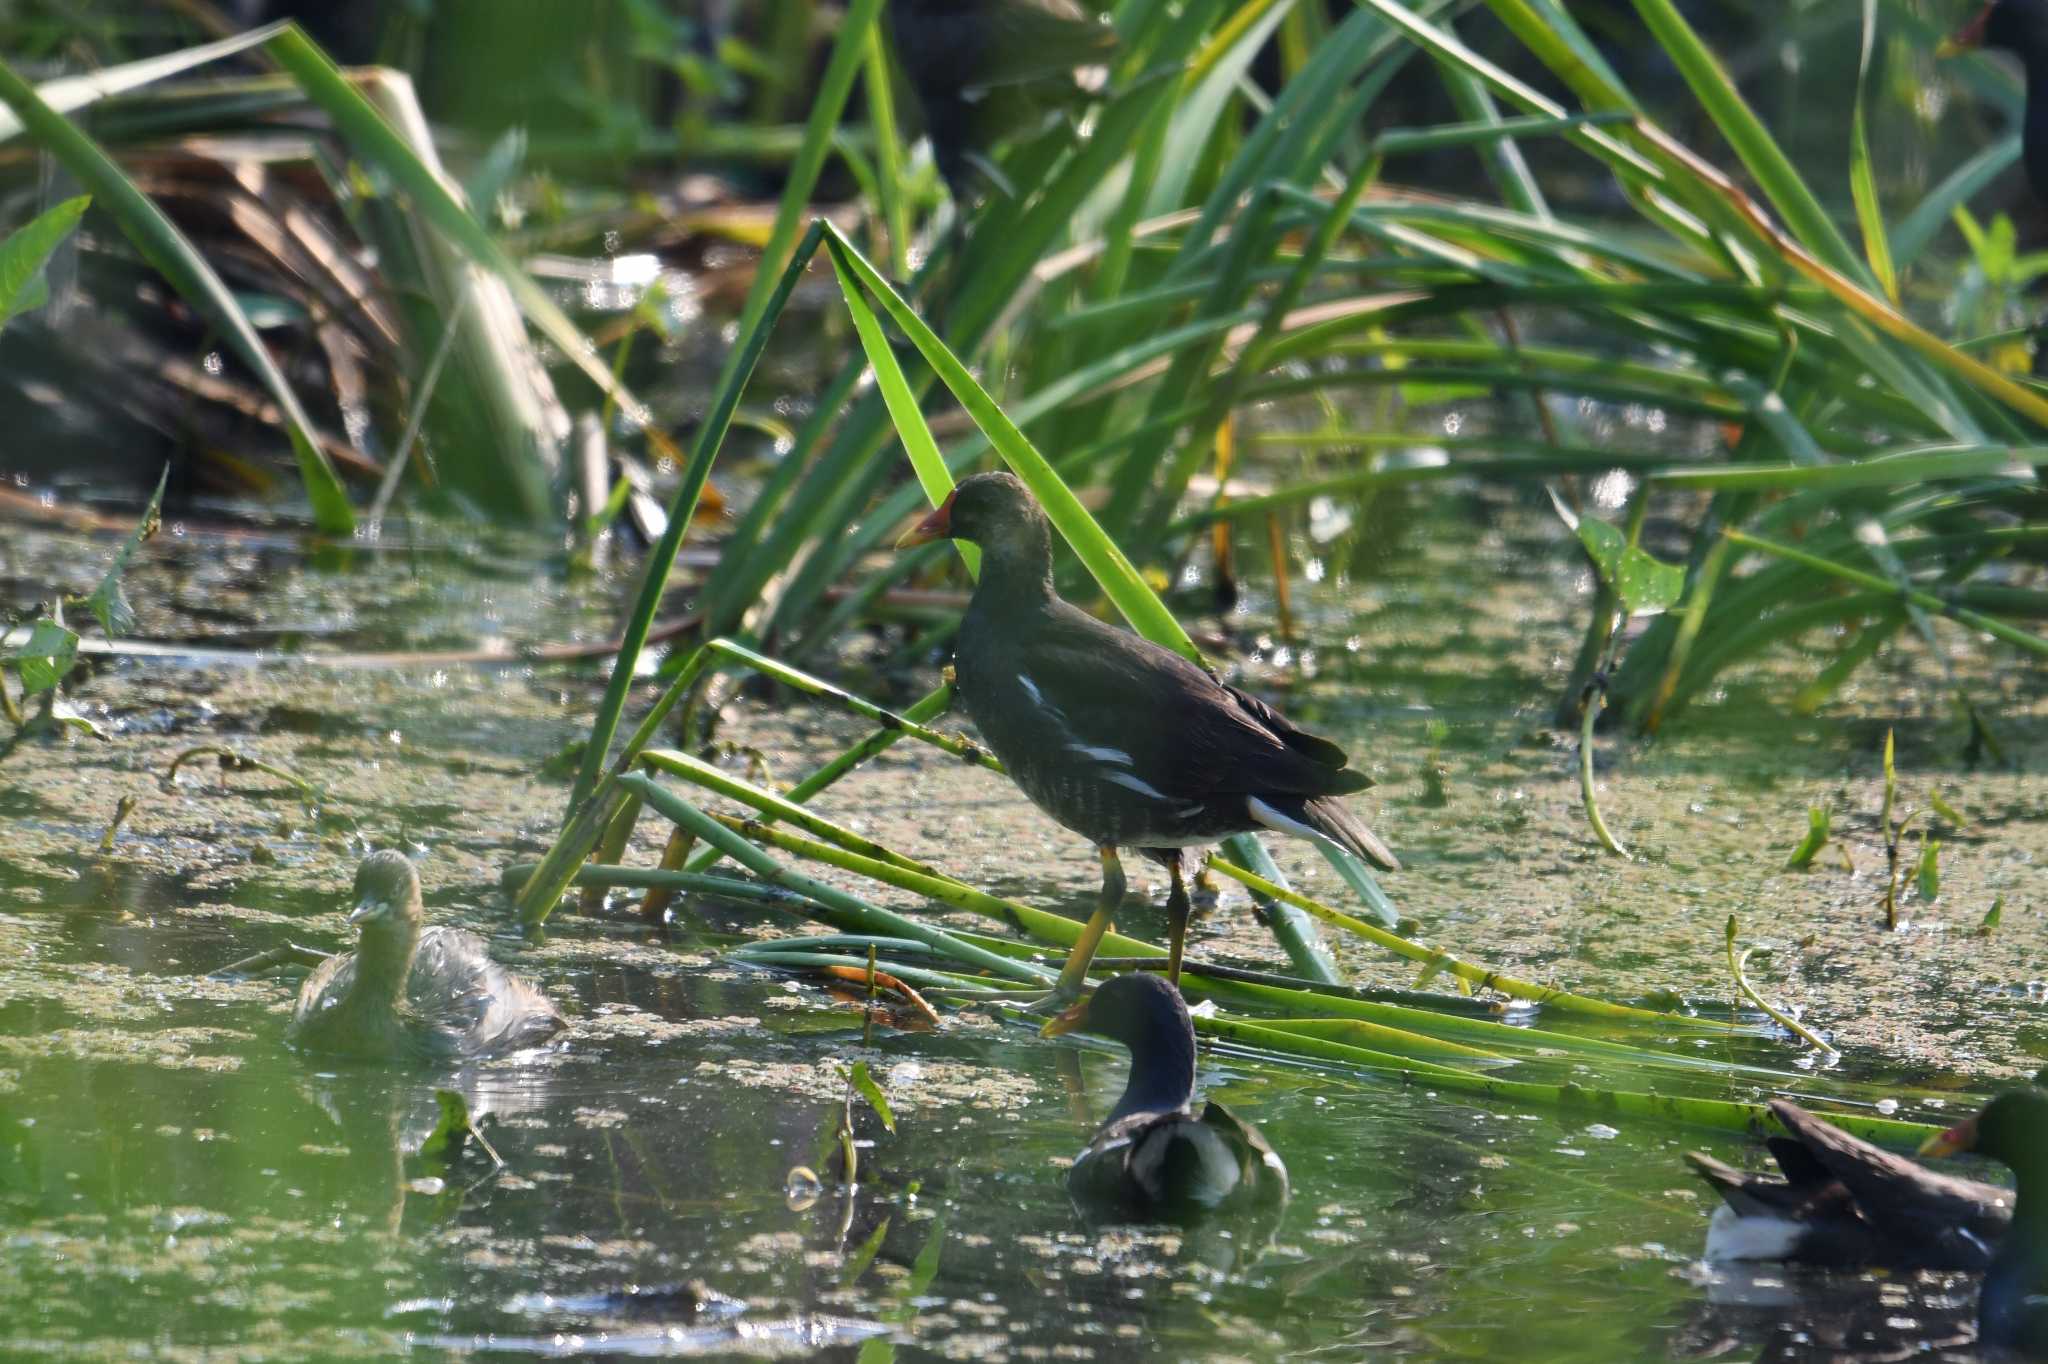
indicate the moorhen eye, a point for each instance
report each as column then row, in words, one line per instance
column 405, row 992
column 2012, row 1314
column 1124, row 742
column 1844, row 1203
column 988, row 70
column 1153, row 1157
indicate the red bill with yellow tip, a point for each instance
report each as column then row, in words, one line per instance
column 1970, row 35
column 1072, row 1020
column 938, row 525
column 1961, row 1137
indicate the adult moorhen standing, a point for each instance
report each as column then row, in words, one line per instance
column 986, row 70
column 1844, row 1203
column 1124, row 742
column 2012, row 1314
column 430, row 995
column 1153, row 1157
column 2021, row 28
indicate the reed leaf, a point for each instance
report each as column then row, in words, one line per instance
column 173, row 255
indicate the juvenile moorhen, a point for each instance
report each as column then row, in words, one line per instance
column 1124, row 742
column 986, row 70
column 1153, row 1157
column 2012, row 1314
column 1844, row 1203
column 2021, row 28
column 433, row 995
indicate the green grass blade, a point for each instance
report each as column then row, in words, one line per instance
column 682, row 508
column 1753, row 143
column 25, row 251
column 173, row 255
column 68, row 94
column 1118, row 578
column 1920, row 227
column 911, row 429
column 1863, row 181
column 373, row 138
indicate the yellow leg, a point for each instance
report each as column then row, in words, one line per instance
column 1075, row 974
column 1178, row 908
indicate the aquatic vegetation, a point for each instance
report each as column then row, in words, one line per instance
column 46, row 651
column 25, row 251
column 1217, row 315
column 1922, row 872
column 1632, row 583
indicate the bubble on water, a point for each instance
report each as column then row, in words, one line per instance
column 801, row 1188
column 1887, row 1106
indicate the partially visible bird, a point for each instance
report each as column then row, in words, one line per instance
column 986, row 71
column 2021, row 28
column 407, row 993
column 1153, row 1157
column 1124, row 742
column 1843, row 1202
column 2012, row 1314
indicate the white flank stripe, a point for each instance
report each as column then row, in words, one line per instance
column 1138, row 784
column 1281, row 824
column 1037, row 698
column 1103, row 755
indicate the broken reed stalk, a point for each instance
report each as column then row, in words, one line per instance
column 234, row 760
column 849, row 909
column 1607, row 1104
column 1436, row 959
column 1778, row 1016
column 1421, row 1030
column 552, row 877
column 854, row 852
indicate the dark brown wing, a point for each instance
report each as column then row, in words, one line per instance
column 1312, row 746
column 1265, row 1174
column 1191, row 735
column 1894, row 1194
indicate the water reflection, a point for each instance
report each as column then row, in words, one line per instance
column 171, row 1175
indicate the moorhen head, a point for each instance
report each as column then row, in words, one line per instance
column 2012, row 1314
column 987, row 70
column 413, row 991
column 1153, row 1156
column 1844, row 1203
column 1126, row 743
column 2021, row 28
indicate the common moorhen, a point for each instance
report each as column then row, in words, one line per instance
column 2021, row 28
column 1844, row 1203
column 406, row 993
column 2012, row 1314
column 1152, row 1156
column 1124, row 742
column 986, row 70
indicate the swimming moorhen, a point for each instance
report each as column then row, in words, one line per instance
column 2021, row 28
column 1124, row 742
column 1153, row 1157
column 985, row 70
column 433, row 995
column 2012, row 1314
column 1844, row 1203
